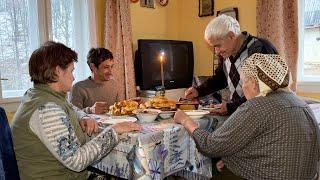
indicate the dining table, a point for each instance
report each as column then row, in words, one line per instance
column 162, row 148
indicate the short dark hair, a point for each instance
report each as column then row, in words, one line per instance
column 46, row 58
column 98, row 55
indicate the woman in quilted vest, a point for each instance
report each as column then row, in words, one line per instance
column 49, row 132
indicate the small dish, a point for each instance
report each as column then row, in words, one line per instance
column 167, row 114
column 196, row 114
column 146, row 115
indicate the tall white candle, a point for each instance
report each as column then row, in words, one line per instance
column 161, row 63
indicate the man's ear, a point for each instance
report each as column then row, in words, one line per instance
column 92, row 67
column 231, row 35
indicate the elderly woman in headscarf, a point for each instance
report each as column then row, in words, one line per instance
column 274, row 135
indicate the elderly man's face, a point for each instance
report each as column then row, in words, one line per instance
column 224, row 47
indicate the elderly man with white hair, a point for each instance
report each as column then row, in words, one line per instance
column 224, row 35
column 273, row 135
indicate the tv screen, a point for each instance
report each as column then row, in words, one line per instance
column 177, row 64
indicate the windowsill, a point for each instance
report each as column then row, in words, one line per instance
column 10, row 104
column 10, row 100
column 309, row 86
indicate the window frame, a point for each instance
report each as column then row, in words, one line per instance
column 306, row 83
column 40, row 26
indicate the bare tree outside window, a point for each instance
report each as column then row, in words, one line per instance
column 61, row 12
column 14, row 44
column 25, row 24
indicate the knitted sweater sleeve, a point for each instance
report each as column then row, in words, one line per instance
column 52, row 126
column 77, row 98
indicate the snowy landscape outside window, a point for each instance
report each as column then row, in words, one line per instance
column 25, row 24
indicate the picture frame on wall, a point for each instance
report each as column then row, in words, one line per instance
column 206, row 8
column 147, row 3
column 232, row 11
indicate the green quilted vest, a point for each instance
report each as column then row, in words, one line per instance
column 34, row 160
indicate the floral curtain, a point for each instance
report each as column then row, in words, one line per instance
column 277, row 21
column 118, row 39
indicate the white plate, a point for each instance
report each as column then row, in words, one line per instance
column 116, row 119
column 197, row 114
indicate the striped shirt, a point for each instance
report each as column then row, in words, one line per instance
column 52, row 126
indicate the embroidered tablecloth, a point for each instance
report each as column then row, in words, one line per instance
column 158, row 151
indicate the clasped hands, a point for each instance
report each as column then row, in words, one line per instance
column 90, row 126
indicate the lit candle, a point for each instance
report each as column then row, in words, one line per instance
column 161, row 63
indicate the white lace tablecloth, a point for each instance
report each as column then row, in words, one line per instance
column 160, row 150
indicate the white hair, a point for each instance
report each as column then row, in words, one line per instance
column 220, row 26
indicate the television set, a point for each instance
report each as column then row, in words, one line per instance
column 178, row 64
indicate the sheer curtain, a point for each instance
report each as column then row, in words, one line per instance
column 84, row 35
column 118, row 39
column 277, row 21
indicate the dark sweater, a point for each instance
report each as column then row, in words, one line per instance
column 219, row 81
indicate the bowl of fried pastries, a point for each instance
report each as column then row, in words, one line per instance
column 159, row 102
column 124, row 107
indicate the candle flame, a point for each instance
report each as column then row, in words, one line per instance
column 162, row 54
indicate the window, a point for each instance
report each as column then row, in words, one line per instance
column 25, row 24
column 309, row 38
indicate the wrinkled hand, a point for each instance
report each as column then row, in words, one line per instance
column 219, row 165
column 191, row 93
column 182, row 118
column 99, row 108
column 125, row 127
column 89, row 125
column 220, row 109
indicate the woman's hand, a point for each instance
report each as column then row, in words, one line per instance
column 183, row 119
column 125, row 127
column 89, row 125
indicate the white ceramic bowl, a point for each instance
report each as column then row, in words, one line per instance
column 146, row 115
column 196, row 114
column 166, row 114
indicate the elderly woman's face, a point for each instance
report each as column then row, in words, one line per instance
column 249, row 86
column 65, row 77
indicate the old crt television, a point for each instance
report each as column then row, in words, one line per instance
column 177, row 65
